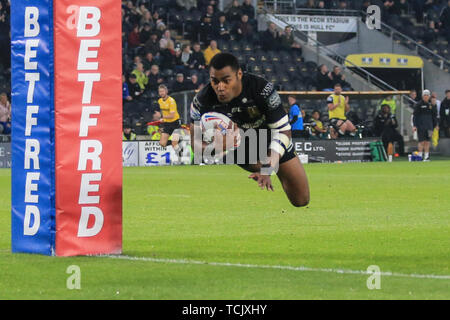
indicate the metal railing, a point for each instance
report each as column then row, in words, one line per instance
column 417, row 46
column 280, row 6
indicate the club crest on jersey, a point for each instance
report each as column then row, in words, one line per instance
column 274, row 100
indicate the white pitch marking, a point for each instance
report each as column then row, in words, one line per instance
column 278, row 267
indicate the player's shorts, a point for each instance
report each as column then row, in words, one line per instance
column 424, row 135
column 170, row 127
column 334, row 122
column 249, row 153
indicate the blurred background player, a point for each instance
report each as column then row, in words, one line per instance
column 295, row 118
column 170, row 120
column 424, row 121
column 337, row 108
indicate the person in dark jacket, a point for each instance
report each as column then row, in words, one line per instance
column 385, row 126
column 424, row 122
column 444, row 114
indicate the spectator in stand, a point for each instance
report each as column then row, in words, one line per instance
column 324, row 82
column 134, row 89
column 318, row 130
column 148, row 62
column 310, row 4
column 187, row 4
column 211, row 51
column 444, row 114
column 198, row 59
column 244, row 30
column 5, row 114
column 141, row 77
column 152, row 45
column 145, row 33
column 154, row 78
column 133, row 38
column 444, row 21
column 424, row 121
column 385, row 127
column 5, row 42
column 337, row 77
column 166, row 40
column 167, row 56
column 235, row 12
column 179, row 84
column 221, row 28
column 288, row 42
column 431, row 32
column 194, row 83
column 271, row 38
column 248, row 9
column 125, row 91
column 206, row 24
column 203, row 4
column 184, row 60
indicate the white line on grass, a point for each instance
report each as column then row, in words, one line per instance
column 290, row 268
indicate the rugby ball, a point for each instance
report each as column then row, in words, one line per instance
column 212, row 122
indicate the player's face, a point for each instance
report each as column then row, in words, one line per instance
column 162, row 92
column 337, row 90
column 226, row 83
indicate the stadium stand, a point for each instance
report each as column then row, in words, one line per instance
column 169, row 32
column 425, row 22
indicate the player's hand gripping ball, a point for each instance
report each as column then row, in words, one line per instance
column 217, row 126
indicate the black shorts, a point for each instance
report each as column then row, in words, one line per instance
column 248, row 154
column 424, row 135
column 334, row 122
column 170, row 127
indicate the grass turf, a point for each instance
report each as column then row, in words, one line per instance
column 393, row 215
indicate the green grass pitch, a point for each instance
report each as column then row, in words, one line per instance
column 209, row 233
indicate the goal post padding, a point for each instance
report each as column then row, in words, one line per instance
column 67, row 127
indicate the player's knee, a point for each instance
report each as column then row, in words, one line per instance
column 163, row 144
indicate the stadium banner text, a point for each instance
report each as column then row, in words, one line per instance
column 320, row 23
column 67, row 121
column 5, row 155
column 329, row 151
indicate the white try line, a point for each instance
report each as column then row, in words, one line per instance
column 275, row 267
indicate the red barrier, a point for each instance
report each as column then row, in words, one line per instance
column 88, row 127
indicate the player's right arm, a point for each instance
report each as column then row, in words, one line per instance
column 195, row 127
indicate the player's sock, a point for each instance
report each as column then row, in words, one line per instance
column 421, row 154
column 427, row 156
column 341, row 132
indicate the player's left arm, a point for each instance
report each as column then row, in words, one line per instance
column 278, row 123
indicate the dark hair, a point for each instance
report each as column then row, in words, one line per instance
column 447, row 91
column 315, row 110
column 222, row 60
column 337, row 85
